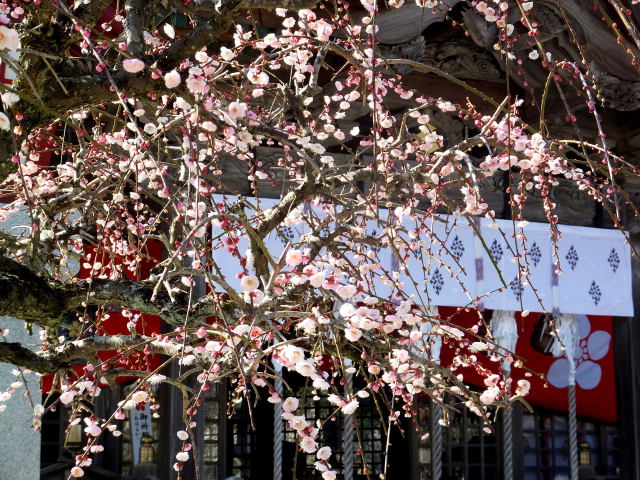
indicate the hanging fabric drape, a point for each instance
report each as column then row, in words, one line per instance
column 594, row 363
column 478, row 262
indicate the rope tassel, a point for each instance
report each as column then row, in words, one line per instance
column 566, row 327
column 428, row 329
column 504, row 330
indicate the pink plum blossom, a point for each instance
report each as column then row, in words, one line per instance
column 172, row 79
column 133, row 65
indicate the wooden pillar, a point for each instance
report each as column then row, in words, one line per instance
column 170, row 423
column 506, row 439
column 194, row 468
column 626, row 346
column 223, row 434
column 348, row 432
column 105, row 405
column 519, row 443
column 197, row 458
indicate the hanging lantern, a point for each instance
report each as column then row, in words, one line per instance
column 147, row 452
column 73, row 440
column 585, row 453
column 542, row 339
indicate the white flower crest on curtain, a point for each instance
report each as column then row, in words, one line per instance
column 592, row 346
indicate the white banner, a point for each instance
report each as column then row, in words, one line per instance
column 140, row 418
column 443, row 261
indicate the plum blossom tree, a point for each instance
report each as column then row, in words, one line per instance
column 122, row 132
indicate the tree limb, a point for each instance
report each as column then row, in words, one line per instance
column 16, row 354
column 25, row 295
column 29, row 297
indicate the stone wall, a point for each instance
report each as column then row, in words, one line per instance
column 20, row 452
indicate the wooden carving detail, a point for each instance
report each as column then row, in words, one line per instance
column 611, row 69
column 400, row 25
column 492, row 191
column 623, row 95
column 573, row 205
column 413, row 49
column 462, row 59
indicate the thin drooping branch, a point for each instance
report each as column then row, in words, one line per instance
column 273, row 4
column 203, row 35
column 417, row 174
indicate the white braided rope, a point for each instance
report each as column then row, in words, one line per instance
column 507, row 431
column 430, row 330
column 278, row 426
column 436, row 442
column 573, row 433
column 504, row 330
column 566, row 327
column 348, row 430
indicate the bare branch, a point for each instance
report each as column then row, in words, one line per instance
column 203, row 35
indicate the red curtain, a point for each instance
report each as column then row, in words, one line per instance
column 116, row 322
column 595, row 374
